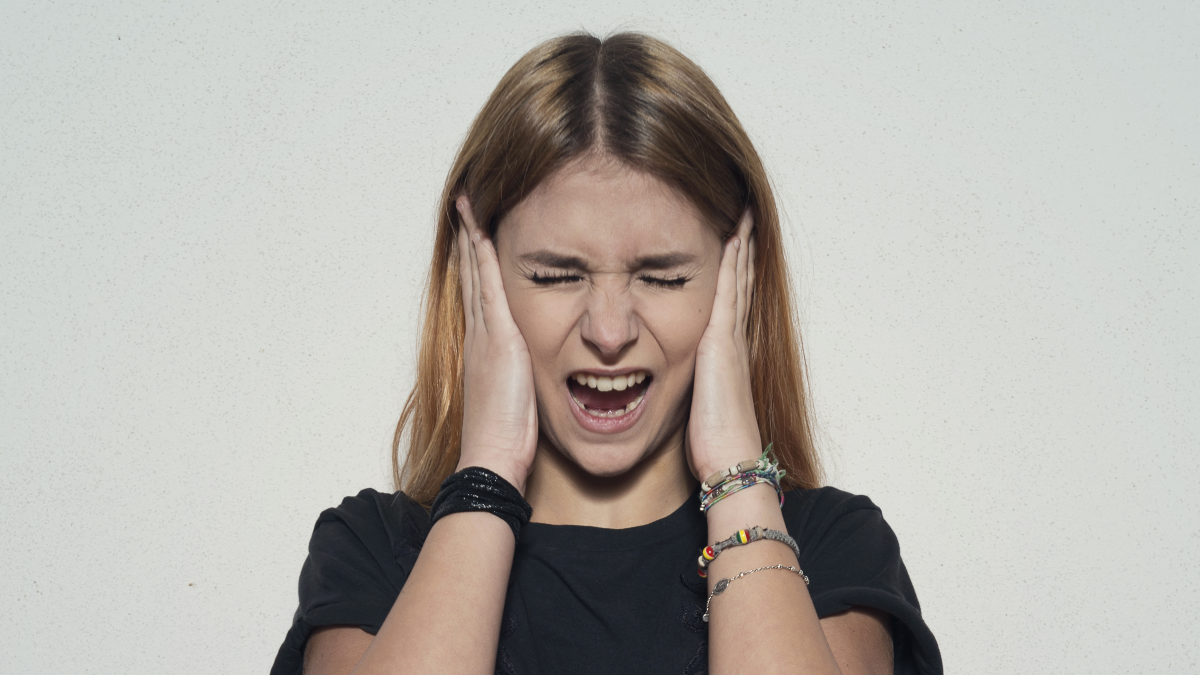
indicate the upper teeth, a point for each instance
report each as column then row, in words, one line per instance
column 620, row 382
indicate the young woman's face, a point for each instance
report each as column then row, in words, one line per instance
column 610, row 275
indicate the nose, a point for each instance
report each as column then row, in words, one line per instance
column 609, row 324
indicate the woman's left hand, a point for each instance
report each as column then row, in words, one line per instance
column 723, row 428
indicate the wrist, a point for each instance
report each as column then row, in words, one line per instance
column 713, row 457
column 753, row 506
column 706, row 469
column 744, row 475
column 501, row 468
column 477, row 488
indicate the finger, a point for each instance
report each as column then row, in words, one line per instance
column 725, row 303
column 743, row 235
column 468, row 216
column 465, row 277
column 751, row 259
column 751, row 275
column 496, row 315
column 481, row 321
column 743, row 329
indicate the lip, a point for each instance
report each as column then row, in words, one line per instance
column 606, row 425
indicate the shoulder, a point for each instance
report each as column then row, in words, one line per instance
column 359, row 556
column 820, row 506
column 827, row 519
column 844, row 540
column 390, row 523
column 852, row 557
column 370, row 504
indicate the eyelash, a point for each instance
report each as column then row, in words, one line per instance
column 676, row 282
column 553, row 278
column 562, row 278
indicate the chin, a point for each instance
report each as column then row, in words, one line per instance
column 604, row 461
column 611, row 457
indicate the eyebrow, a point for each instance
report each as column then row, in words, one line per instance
column 662, row 261
column 553, row 260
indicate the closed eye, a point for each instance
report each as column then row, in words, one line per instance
column 661, row 282
column 553, row 278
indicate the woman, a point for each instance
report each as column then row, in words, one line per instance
column 608, row 324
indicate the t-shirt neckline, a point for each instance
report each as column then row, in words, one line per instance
column 587, row 538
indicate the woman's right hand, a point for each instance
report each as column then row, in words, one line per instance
column 500, row 428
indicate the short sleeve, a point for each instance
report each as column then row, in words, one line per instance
column 359, row 557
column 853, row 558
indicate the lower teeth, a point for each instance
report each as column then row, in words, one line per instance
column 606, row 413
column 594, row 412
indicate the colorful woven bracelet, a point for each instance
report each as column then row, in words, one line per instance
column 741, row 538
column 738, row 483
column 740, row 476
column 765, row 462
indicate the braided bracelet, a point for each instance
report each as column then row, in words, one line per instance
column 721, row 585
column 740, row 538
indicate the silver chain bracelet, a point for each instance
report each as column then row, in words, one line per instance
column 721, row 585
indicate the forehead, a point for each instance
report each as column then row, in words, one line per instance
column 604, row 210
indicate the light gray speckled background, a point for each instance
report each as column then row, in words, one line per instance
column 214, row 221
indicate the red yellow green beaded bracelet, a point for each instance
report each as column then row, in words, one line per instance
column 741, row 538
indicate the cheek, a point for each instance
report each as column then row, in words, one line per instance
column 545, row 321
column 677, row 323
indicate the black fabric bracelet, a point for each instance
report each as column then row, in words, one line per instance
column 478, row 489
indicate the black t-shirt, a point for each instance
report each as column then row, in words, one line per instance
column 594, row 600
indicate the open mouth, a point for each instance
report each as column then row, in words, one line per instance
column 609, row 396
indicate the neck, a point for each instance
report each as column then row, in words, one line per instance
column 562, row 493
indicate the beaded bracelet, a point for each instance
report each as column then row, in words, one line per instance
column 721, row 585
column 740, row 476
column 764, row 463
column 740, row 538
column 735, row 484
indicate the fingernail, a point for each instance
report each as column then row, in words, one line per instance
column 737, row 242
column 475, row 236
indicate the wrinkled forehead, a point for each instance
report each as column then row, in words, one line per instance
column 607, row 212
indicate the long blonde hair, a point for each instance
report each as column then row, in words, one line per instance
column 636, row 99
